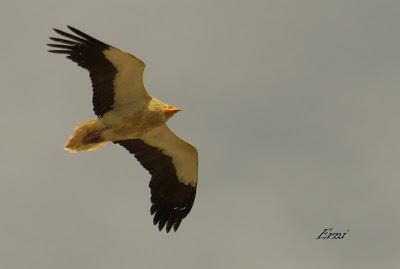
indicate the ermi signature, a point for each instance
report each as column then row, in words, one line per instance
column 328, row 234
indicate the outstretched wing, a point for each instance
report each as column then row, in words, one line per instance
column 172, row 164
column 117, row 76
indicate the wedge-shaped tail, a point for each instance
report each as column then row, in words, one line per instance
column 86, row 137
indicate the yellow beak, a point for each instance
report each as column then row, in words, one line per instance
column 169, row 111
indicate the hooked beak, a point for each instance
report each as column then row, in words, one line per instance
column 171, row 111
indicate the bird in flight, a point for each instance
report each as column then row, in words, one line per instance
column 128, row 116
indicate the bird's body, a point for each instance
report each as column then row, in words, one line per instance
column 130, row 117
column 128, row 121
column 133, row 120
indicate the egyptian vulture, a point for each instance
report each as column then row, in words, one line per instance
column 130, row 117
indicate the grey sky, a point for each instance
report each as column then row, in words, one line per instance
column 293, row 105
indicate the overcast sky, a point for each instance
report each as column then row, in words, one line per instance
column 292, row 104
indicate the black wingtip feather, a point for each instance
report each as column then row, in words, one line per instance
column 82, row 34
column 87, row 52
column 60, row 51
column 69, row 35
column 65, row 41
column 59, row 46
column 153, row 209
column 171, row 199
column 169, row 226
column 162, row 223
column 176, row 225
